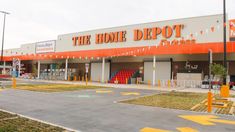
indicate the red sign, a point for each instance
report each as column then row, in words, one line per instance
column 232, row 28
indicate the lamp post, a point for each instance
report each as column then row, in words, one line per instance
column 225, row 44
column 224, row 90
column 3, row 32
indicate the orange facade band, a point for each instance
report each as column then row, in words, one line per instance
column 179, row 49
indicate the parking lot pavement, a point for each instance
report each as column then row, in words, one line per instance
column 98, row 111
column 22, row 81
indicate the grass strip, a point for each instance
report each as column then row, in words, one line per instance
column 20, row 124
column 173, row 100
column 55, row 87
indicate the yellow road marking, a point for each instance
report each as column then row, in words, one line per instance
column 147, row 129
column 180, row 129
column 186, row 129
column 206, row 119
column 129, row 93
column 104, row 91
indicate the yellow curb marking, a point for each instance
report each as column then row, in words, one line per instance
column 129, row 93
column 147, row 129
column 186, row 129
column 180, row 129
column 206, row 119
column 104, row 91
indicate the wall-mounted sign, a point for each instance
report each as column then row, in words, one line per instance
column 82, row 40
column 45, row 47
column 100, row 38
column 188, row 66
column 112, row 37
column 232, row 28
column 152, row 33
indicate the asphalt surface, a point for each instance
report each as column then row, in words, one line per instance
column 9, row 82
column 88, row 111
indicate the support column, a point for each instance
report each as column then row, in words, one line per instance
column 66, row 70
column 19, row 70
column 4, row 68
column 39, row 68
column 154, row 71
column 103, row 68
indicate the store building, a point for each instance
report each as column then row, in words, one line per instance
column 165, row 50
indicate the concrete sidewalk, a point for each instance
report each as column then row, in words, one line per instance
column 135, row 86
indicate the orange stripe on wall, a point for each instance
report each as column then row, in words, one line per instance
column 199, row 48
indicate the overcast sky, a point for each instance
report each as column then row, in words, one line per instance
column 40, row 20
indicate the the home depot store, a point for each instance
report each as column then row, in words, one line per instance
column 157, row 50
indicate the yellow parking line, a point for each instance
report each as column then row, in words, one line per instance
column 147, row 129
column 129, row 93
column 206, row 119
column 180, row 129
column 104, row 91
column 186, row 129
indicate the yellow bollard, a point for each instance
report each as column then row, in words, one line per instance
column 116, row 80
column 13, row 82
column 159, row 83
column 149, row 83
column 86, row 80
column 82, row 78
column 126, row 81
column 209, row 102
column 75, row 78
column 224, row 91
column 90, row 79
column 68, row 78
column 169, row 83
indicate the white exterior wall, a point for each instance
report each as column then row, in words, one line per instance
column 191, row 26
column 96, row 71
column 28, row 48
column 148, row 72
column 25, row 49
column 163, row 71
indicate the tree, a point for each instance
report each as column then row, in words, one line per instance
column 218, row 70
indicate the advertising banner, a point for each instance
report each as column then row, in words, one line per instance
column 45, row 47
column 16, row 67
column 232, row 29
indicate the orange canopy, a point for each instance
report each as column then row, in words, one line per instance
column 198, row 48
